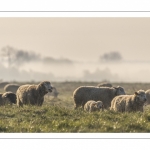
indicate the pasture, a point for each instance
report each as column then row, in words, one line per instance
column 58, row 116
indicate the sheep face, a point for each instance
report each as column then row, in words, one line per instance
column 119, row 90
column 48, row 87
column 98, row 106
column 140, row 97
column 7, row 101
column 10, row 98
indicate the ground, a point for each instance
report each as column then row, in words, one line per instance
column 57, row 115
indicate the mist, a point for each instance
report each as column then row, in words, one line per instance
column 30, row 66
column 75, row 49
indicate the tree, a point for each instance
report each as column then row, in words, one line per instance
column 112, row 56
column 18, row 57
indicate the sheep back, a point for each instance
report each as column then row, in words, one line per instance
column 2, row 84
column 11, row 87
column 104, row 85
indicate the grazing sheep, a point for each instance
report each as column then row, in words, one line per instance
column 148, row 97
column 11, row 87
column 84, row 93
column 91, row 106
column 2, row 84
column 7, row 98
column 104, row 85
column 33, row 94
column 128, row 103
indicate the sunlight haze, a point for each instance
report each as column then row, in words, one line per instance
column 78, row 48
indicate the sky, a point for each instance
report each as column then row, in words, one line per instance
column 81, row 41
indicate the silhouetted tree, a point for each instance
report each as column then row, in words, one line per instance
column 112, row 56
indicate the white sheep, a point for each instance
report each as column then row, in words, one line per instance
column 91, row 106
column 128, row 103
column 33, row 94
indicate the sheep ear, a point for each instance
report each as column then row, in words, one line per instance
column 136, row 93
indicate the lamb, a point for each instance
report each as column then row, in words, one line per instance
column 91, row 106
column 84, row 93
column 129, row 103
column 7, row 98
column 11, row 87
column 33, row 94
column 148, row 97
column 105, row 84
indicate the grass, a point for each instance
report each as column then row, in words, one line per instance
column 57, row 115
column 47, row 119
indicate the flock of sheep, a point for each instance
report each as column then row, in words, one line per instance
column 93, row 98
column 26, row 94
column 90, row 98
column 105, row 96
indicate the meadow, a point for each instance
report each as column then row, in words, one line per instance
column 58, row 116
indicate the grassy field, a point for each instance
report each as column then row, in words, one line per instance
column 57, row 115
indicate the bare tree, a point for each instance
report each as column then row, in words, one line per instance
column 8, row 52
column 18, row 57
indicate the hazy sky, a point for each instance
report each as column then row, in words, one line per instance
column 78, row 38
column 83, row 41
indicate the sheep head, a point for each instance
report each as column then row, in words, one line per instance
column 46, row 85
column 140, row 97
column 119, row 90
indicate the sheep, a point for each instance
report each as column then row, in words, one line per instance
column 2, row 84
column 11, row 87
column 105, row 84
column 7, row 98
column 148, row 97
column 91, row 106
column 84, row 93
column 33, row 94
column 128, row 103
